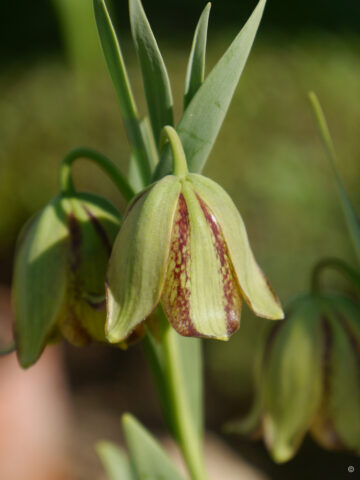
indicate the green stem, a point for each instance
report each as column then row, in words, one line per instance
column 169, row 134
column 335, row 264
column 164, row 358
column 7, row 349
column 65, row 174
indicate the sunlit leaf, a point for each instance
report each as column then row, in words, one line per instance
column 201, row 121
column 115, row 461
column 119, row 76
column 155, row 77
column 148, row 458
column 196, row 66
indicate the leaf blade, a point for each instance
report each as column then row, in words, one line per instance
column 155, row 77
column 201, row 122
column 116, row 66
column 196, row 66
column 351, row 218
column 148, row 458
column 115, row 461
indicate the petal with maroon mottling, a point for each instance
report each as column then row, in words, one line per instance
column 254, row 285
column 139, row 258
column 201, row 296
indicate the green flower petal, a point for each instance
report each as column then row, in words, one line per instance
column 253, row 283
column 39, row 280
column 201, row 296
column 139, row 259
column 93, row 224
column 344, row 384
column 293, row 382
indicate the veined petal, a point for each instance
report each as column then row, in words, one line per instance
column 293, row 382
column 139, row 258
column 201, row 296
column 344, row 384
column 39, row 280
column 254, row 285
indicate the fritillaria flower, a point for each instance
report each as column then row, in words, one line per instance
column 183, row 243
column 59, row 274
column 310, row 378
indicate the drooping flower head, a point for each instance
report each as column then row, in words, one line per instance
column 183, row 243
column 59, row 273
column 309, row 381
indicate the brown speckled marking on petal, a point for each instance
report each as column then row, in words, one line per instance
column 98, row 227
column 323, row 429
column 75, row 242
column 231, row 291
column 176, row 294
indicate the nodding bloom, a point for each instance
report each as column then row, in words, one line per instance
column 309, row 381
column 183, row 244
column 59, row 274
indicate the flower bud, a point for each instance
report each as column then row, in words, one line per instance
column 59, row 273
column 183, row 243
column 311, row 377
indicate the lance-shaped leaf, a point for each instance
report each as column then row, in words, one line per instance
column 292, row 383
column 350, row 215
column 138, row 262
column 134, row 175
column 39, row 284
column 119, row 76
column 115, row 461
column 148, row 458
column 201, row 121
column 344, row 386
column 196, row 66
column 155, row 78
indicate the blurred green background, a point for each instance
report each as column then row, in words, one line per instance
column 56, row 94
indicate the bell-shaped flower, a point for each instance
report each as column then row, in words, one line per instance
column 59, row 273
column 183, row 243
column 310, row 378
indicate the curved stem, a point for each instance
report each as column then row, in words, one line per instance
column 65, row 174
column 7, row 349
column 335, row 264
column 169, row 134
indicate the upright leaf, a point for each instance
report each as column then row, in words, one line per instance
column 148, row 458
column 119, row 76
column 116, row 463
column 196, row 66
column 351, row 218
column 155, row 77
column 134, row 175
column 201, row 121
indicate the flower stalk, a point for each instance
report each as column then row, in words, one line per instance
column 335, row 264
column 171, row 382
column 65, row 174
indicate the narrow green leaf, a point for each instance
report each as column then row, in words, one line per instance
column 201, row 121
column 351, row 218
column 196, row 66
column 134, row 175
column 115, row 462
column 148, row 458
column 117, row 70
column 155, row 78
